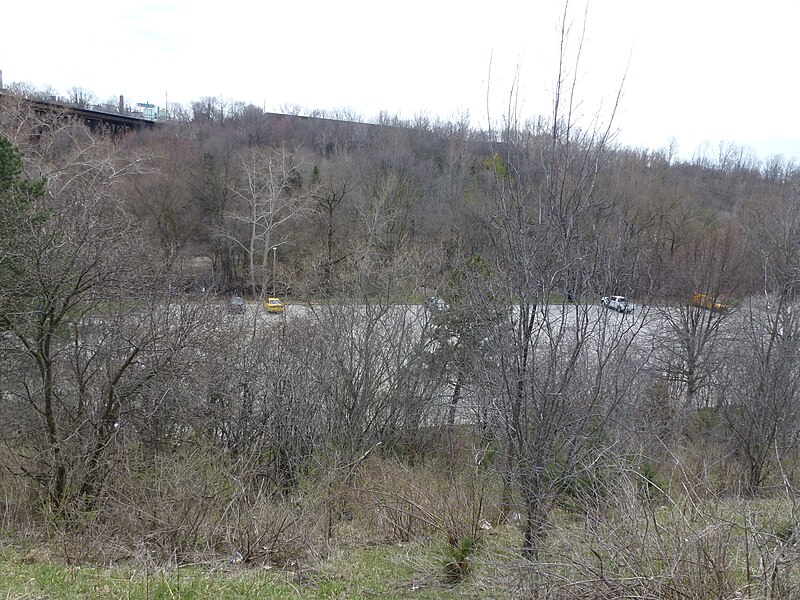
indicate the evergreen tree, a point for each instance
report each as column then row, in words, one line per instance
column 17, row 216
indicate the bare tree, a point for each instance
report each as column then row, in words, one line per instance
column 385, row 215
column 212, row 189
column 81, row 97
column 162, row 200
column 555, row 368
column 272, row 192
column 87, row 326
column 704, row 279
column 761, row 399
column 336, row 182
column 210, row 110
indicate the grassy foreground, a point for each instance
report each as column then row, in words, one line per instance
column 696, row 550
column 402, row 532
column 388, row 571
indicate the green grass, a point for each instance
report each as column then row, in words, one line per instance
column 386, row 571
column 697, row 547
column 49, row 580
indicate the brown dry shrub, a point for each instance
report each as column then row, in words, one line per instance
column 195, row 505
column 400, row 503
column 688, row 545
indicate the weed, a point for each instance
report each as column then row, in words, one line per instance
column 457, row 566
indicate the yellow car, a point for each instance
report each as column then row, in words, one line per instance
column 274, row 305
column 708, row 302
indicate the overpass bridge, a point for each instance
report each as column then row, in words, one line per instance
column 96, row 120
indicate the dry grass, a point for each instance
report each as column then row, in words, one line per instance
column 392, row 529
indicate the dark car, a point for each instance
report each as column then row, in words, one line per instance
column 237, row 305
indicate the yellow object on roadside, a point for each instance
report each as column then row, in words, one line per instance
column 274, row 305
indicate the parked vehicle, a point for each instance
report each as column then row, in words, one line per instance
column 618, row 303
column 436, row 304
column 237, row 305
column 708, row 302
column 274, row 305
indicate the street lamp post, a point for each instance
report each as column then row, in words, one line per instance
column 274, row 267
column 275, row 264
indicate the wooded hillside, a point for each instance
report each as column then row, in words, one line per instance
column 339, row 193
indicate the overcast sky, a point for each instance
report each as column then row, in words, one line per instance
column 701, row 72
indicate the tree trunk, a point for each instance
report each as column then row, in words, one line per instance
column 451, row 417
column 535, row 520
